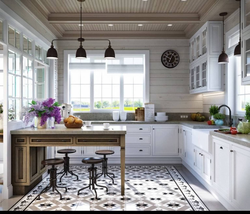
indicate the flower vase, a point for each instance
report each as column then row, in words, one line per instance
column 51, row 122
column 39, row 123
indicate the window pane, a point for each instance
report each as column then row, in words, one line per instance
column 128, row 90
column 75, row 77
column 128, row 79
column 11, row 36
column 12, row 61
column 11, row 85
column 75, row 91
column 30, row 47
column 17, row 40
column 138, row 90
column 97, row 91
column 18, row 69
column 85, row 77
column 30, row 69
column 25, row 66
column 18, row 86
column 116, row 91
column 80, row 104
column 106, row 91
column 85, row 91
column 25, row 44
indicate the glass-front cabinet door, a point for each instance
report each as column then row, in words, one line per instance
column 245, row 5
column 197, row 77
column 192, row 85
column 204, row 74
column 204, row 42
column 246, row 60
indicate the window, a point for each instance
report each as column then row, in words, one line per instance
column 27, row 45
column 96, row 84
column 40, row 81
column 27, row 81
column 14, row 37
column 243, row 92
column 38, row 52
column 14, row 86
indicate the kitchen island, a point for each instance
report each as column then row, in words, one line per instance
column 29, row 149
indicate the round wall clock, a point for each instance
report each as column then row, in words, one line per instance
column 170, row 58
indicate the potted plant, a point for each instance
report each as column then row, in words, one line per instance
column 43, row 111
column 219, row 119
column 244, row 127
column 213, row 110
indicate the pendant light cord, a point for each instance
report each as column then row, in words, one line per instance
column 240, row 19
column 223, row 36
column 81, row 24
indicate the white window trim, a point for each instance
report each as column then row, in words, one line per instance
column 66, row 76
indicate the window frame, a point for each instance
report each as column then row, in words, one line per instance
column 92, row 110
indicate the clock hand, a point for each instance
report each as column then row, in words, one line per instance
column 171, row 57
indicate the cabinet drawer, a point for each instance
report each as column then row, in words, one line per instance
column 20, row 141
column 138, row 151
column 138, row 129
column 143, row 138
column 47, row 141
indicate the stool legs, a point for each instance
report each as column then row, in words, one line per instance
column 66, row 168
column 105, row 170
column 52, row 184
column 92, row 181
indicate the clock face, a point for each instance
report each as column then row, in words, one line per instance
column 170, row 58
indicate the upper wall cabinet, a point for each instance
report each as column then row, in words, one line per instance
column 205, row 47
column 245, row 48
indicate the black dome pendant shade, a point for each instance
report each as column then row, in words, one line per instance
column 80, row 52
column 109, row 53
column 52, row 53
column 237, row 50
column 223, row 58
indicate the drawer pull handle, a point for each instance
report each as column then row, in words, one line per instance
column 231, row 150
column 38, row 140
column 221, row 147
column 140, row 128
column 140, row 150
column 140, row 138
column 20, row 140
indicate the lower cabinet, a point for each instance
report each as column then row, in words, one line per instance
column 230, row 173
column 188, row 147
column 165, row 140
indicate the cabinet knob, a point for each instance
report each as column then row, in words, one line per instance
column 140, row 138
column 140, row 128
column 231, row 150
column 221, row 147
column 140, row 150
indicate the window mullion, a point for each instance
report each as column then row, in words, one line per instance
column 121, row 93
column 91, row 91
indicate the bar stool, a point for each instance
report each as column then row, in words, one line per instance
column 105, row 164
column 53, row 178
column 92, row 173
column 66, row 162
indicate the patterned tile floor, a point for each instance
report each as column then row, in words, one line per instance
column 147, row 188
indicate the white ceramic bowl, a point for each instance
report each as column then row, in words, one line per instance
column 161, row 113
column 161, row 118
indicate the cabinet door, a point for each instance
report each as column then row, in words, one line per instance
column 165, row 141
column 20, row 165
column 246, row 59
column 188, row 147
column 206, row 166
column 198, row 161
column 241, row 176
column 245, row 8
column 221, row 173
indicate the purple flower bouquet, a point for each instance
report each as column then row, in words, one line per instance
column 45, row 109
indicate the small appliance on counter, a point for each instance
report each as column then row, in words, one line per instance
column 161, row 117
column 65, row 110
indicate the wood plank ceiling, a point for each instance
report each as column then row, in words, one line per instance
column 62, row 17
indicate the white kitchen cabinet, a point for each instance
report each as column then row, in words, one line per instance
column 240, row 177
column 188, row 146
column 205, row 47
column 245, row 56
column 165, row 140
column 230, row 172
column 245, row 15
column 221, row 167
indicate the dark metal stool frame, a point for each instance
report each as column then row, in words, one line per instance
column 65, row 170
column 105, row 165
column 53, row 178
column 92, row 175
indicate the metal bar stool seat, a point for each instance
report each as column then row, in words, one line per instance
column 53, row 179
column 105, row 164
column 66, row 170
column 92, row 174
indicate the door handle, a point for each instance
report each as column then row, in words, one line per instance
column 221, row 147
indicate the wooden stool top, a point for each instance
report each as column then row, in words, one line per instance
column 53, row 161
column 104, row 152
column 66, row 151
column 92, row 160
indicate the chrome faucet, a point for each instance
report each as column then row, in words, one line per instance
column 230, row 117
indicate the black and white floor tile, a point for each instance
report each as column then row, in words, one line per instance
column 147, row 188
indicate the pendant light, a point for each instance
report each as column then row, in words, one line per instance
column 81, row 53
column 223, row 58
column 237, row 50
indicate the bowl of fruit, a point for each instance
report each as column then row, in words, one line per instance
column 73, row 122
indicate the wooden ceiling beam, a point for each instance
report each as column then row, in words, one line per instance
column 126, row 34
column 131, row 18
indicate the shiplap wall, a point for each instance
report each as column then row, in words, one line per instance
column 169, row 88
